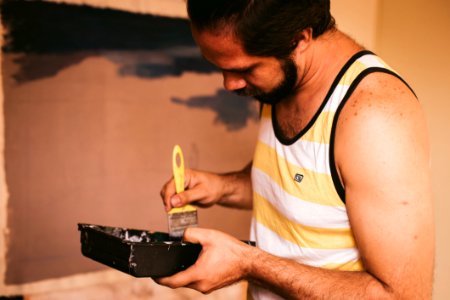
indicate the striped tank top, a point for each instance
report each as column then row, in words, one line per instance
column 298, row 202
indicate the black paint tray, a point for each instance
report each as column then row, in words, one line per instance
column 139, row 253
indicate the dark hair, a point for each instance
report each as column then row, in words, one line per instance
column 265, row 27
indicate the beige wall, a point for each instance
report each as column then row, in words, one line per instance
column 358, row 19
column 414, row 37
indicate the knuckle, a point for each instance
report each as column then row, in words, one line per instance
column 204, row 289
column 172, row 286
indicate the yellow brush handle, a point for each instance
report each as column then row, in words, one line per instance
column 178, row 169
column 178, row 176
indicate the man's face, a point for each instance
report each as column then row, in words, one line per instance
column 267, row 79
column 285, row 88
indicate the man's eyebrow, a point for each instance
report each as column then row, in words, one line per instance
column 241, row 70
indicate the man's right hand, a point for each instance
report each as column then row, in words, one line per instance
column 205, row 189
column 202, row 189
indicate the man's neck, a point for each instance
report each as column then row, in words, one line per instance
column 323, row 61
column 318, row 67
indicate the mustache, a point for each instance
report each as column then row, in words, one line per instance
column 246, row 92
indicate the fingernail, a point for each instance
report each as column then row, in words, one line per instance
column 175, row 201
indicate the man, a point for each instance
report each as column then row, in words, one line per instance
column 340, row 179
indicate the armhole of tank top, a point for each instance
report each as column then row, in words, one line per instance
column 340, row 189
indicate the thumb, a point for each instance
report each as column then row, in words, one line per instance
column 185, row 197
column 177, row 200
column 194, row 235
column 180, row 199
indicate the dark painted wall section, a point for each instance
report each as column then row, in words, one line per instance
column 44, row 28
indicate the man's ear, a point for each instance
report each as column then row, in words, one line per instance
column 303, row 42
column 304, row 39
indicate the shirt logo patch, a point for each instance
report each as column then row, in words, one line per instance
column 298, row 177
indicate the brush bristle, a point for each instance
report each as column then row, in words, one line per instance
column 179, row 221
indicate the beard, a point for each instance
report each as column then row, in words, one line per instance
column 283, row 90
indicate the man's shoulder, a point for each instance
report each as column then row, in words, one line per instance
column 381, row 114
column 381, row 94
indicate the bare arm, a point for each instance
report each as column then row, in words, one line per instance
column 206, row 189
column 385, row 168
column 233, row 261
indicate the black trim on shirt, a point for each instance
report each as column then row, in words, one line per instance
column 276, row 127
column 334, row 174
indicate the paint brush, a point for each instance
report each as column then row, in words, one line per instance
column 180, row 218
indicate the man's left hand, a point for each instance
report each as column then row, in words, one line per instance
column 224, row 260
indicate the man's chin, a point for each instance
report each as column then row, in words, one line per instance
column 261, row 98
column 267, row 100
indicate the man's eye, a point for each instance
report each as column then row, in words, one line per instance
column 246, row 71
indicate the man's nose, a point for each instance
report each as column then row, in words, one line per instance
column 233, row 81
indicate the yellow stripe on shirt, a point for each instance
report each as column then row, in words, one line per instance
column 304, row 236
column 352, row 73
column 348, row 266
column 316, row 134
column 315, row 187
column 323, row 125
